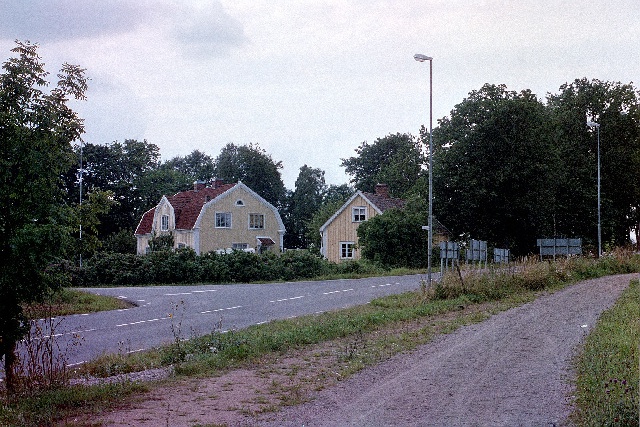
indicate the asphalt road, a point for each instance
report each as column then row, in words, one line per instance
column 200, row 309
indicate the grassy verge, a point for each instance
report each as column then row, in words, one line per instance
column 607, row 384
column 401, row 321
column 72, row 301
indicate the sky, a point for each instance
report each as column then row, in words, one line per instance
column 310, row 80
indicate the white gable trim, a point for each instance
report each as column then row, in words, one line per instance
column 228, row 193
column 345, row 206
column 172, row 215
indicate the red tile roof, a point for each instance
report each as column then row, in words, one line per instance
column 186, row 207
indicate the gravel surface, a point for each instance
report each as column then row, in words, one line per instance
column 513, row 369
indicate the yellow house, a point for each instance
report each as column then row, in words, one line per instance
column 218, row 217
column 339, row 236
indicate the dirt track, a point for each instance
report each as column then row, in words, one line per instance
column 511, row 370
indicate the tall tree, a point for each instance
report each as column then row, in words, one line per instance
column 616, row 108
column 254, row 167
column 396, row 160
column 196, row 166
column 126, row 170
column 494, row 166
column 36, row 131
column 302, row 203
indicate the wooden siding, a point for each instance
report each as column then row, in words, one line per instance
column 343, row 229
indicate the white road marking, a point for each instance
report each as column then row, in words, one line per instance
column 76, row 364
column 220, row 309
column 179, row 293
column 208, row 290
column 380, row 286
column 337, row 292
column 142, row 321
column 135, row 351
column 287, row 299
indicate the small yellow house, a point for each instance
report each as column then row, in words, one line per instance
column 339, row 236
column 217, row 217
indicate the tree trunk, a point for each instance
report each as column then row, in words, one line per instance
column 8, row 350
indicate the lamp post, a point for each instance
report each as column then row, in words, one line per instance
column 422, row 58
column 597, row 126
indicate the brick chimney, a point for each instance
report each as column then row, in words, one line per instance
column 382, row 190
column 199, row 185
column 216, row 182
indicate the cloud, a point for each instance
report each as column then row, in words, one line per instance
column 206, row 30
column 51, row 21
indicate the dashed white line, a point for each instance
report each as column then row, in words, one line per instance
column 142, row 321
column 220, row 309
column 337, row 292
column 189, row 293
column 287, row 299
column 380, row 286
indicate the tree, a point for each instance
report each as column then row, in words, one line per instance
column 302, row 203
column 197, row 166
column 255, row 168
column 494, row 169
column 126, row 170
column 333, row 199
column 616, row 108
column 396, row 160
column 394, row 238
column 36, row 131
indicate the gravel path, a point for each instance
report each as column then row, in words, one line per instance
column 510, row 370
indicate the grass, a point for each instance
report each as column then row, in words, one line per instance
column 608, row 383
column 72, row 301
column 367, row 333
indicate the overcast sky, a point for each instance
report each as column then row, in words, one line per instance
column 309, row 80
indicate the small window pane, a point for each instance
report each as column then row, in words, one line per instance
column 164, row 226
column 256, row 221
column 359, row 214
column 346, row 250
column 223, row 219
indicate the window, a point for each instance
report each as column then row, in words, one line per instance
column 223, row 219
column 164, row 223
column 239, row 203
column 346, row 250
column 181, row 246
column 256, row 221
column 239, row 246
column 359, row 214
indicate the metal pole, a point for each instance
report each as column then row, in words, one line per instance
column 422, row 58
column 81, row 177
column 599, row 228
column 430, row 172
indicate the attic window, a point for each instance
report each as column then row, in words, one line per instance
column 239, row 203
column 164, row 223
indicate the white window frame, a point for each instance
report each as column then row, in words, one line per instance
column 359, row 213
column 240, row 246
column 252, row 222
column 347, row 250
column 224, row 220
column 164, row 223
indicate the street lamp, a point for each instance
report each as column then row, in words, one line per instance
column 597, row 126
column 422, row 58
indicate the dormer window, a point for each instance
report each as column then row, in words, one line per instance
column 164, row 223
column 239, row 203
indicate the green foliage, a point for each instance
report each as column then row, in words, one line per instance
column 395, row 160
column 254, row 167
column 607, row 369
column 36, row 130
column 302, row 204
column 395, row 238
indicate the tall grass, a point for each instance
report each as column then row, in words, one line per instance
column 608, row 382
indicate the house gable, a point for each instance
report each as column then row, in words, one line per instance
column 339, row 234
column 185, row 216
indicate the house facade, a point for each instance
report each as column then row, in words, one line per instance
column 215, row 217
column 339, row 235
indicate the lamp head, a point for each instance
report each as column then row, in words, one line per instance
column 593, row 124
column 422, row 58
